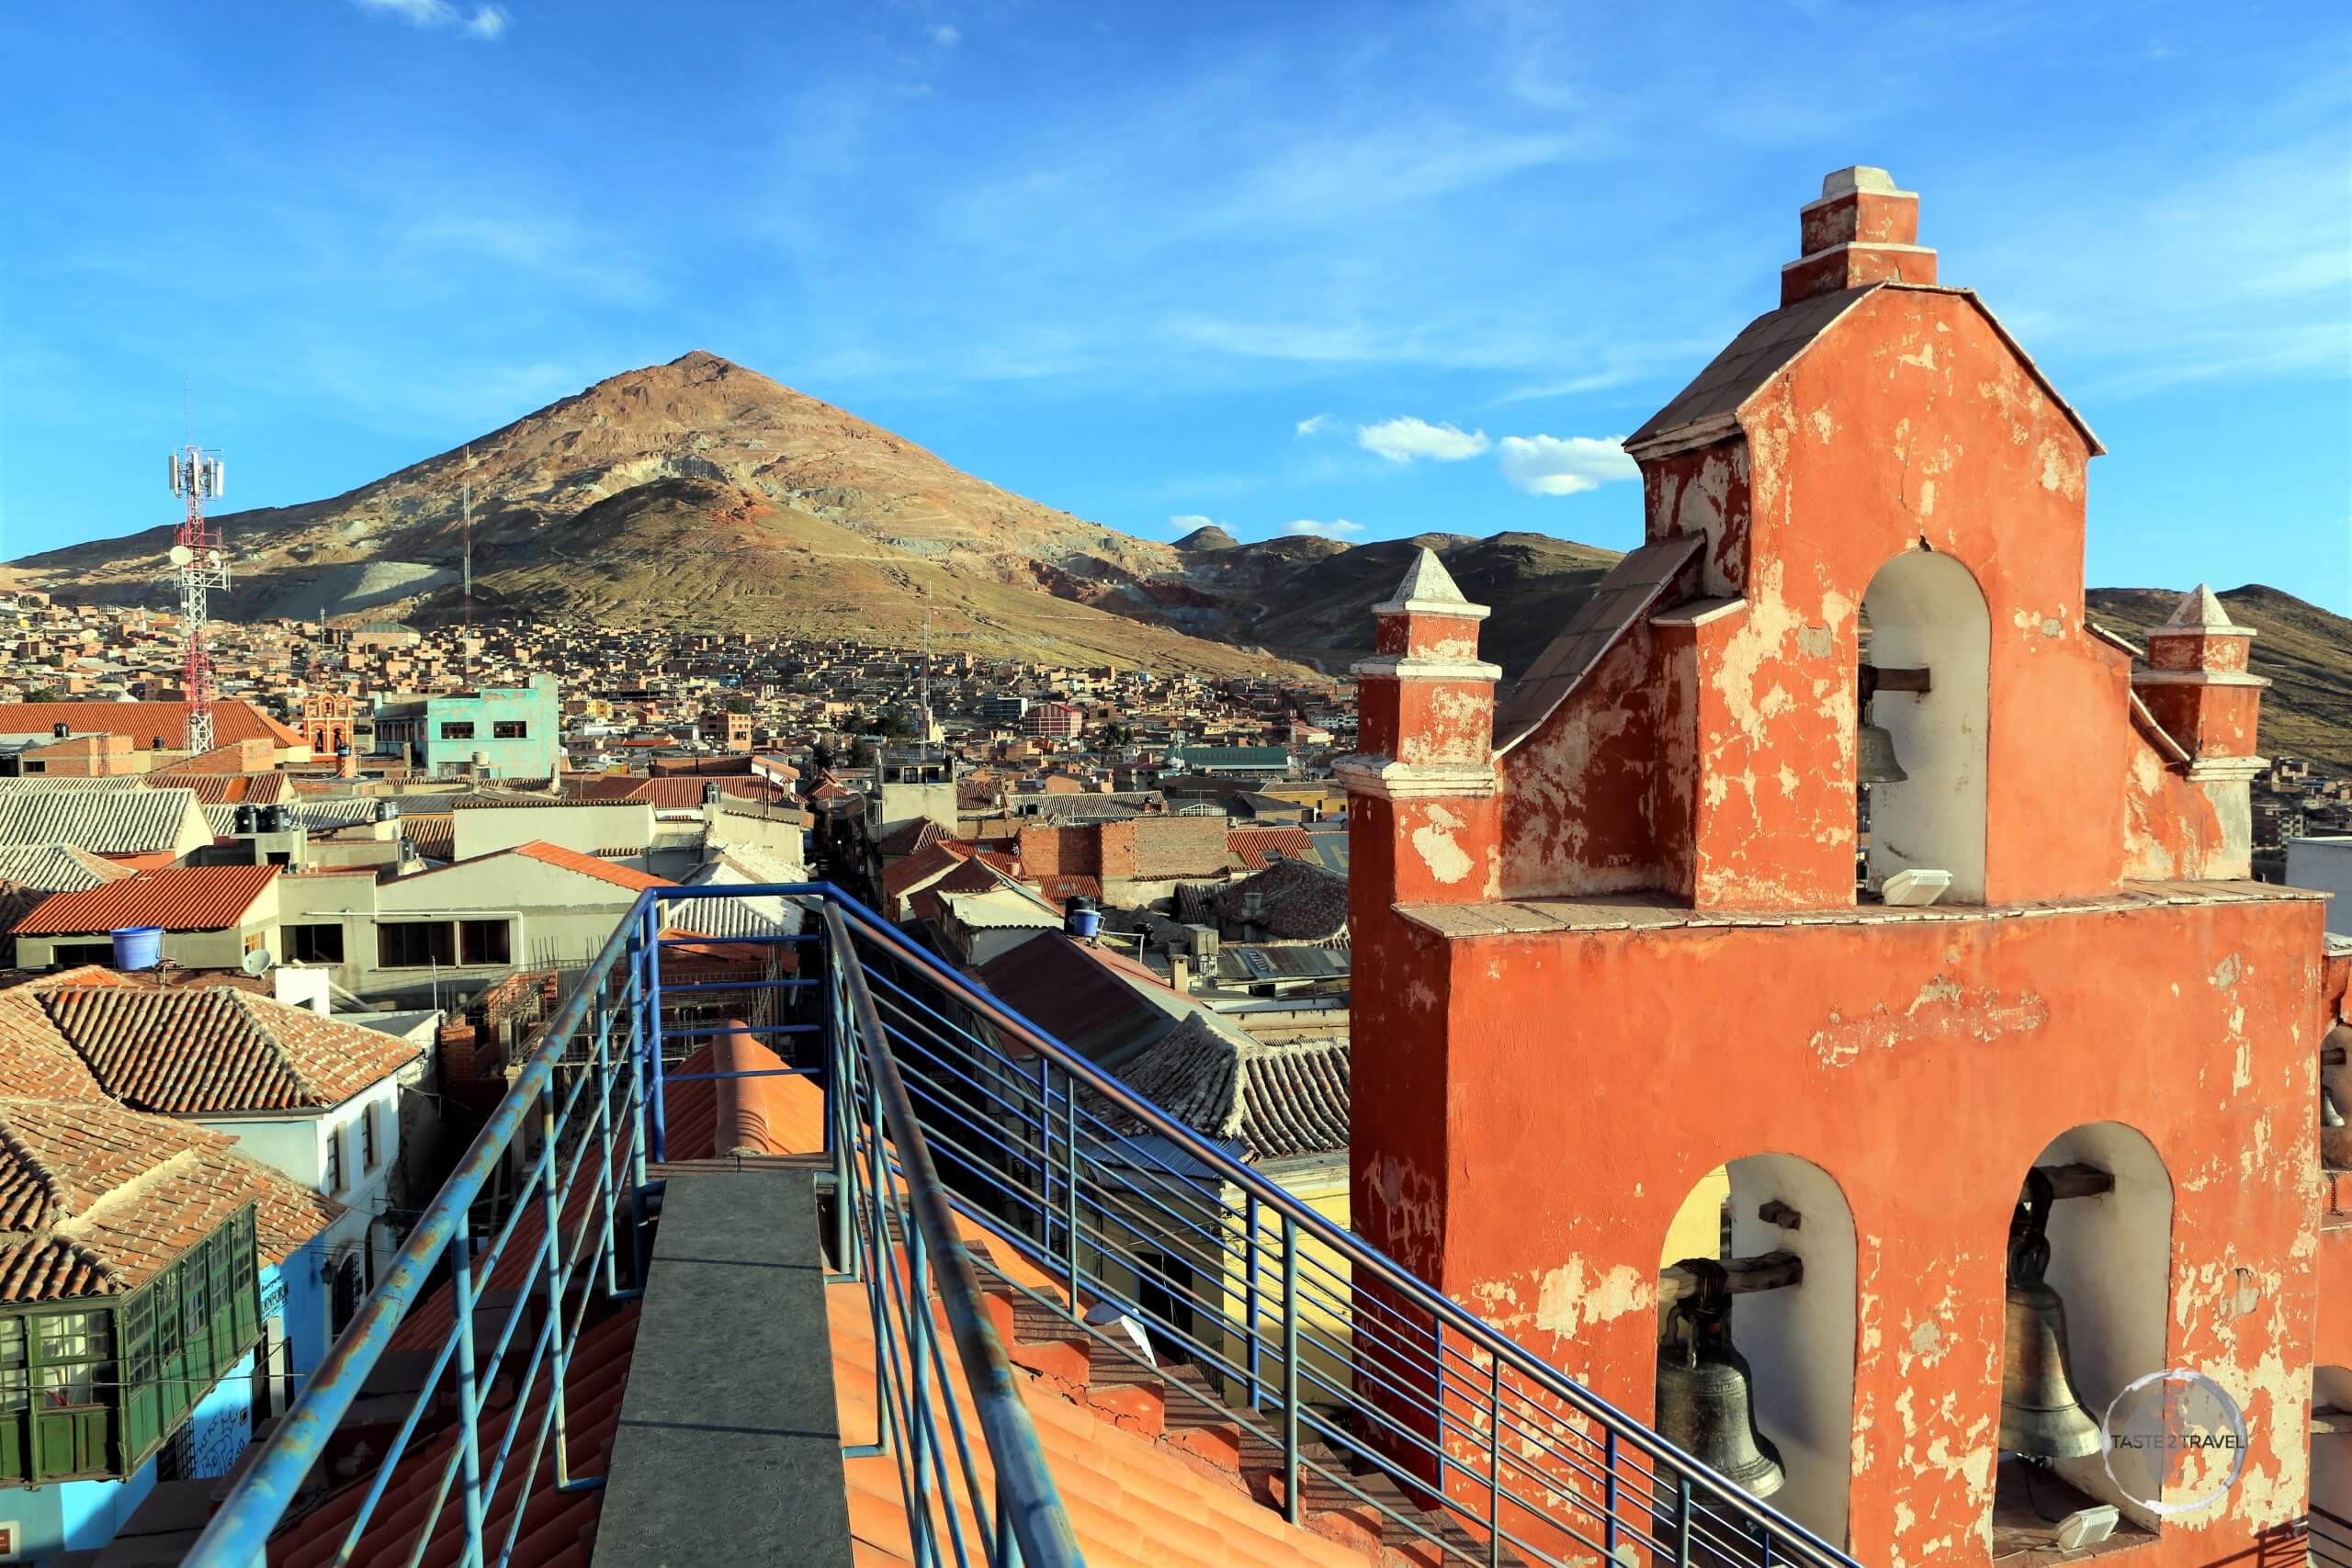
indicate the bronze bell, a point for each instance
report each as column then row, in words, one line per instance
column 1874, row 756
column 2041, row 1413
column 1703, row 1388
column 2329, row 1116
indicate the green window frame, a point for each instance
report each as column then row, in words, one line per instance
column 59, row 1392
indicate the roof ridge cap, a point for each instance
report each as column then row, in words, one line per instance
column 77, row 1225
column 243, row 1000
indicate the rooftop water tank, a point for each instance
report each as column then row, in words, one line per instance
column 138, row 947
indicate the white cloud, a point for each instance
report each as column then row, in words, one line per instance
column 1313, row 424
column 1338, row 529
column 1190, row 521
column 1555, row 465
column 1403, row 440
column 484, row 22
column 946, row 36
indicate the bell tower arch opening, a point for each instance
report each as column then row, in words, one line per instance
column 2088, row 1296
column 1925, row 686
column 1765, row 1320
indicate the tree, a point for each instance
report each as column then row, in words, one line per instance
column 861, row 753
column 739, row 704
column 42, row 694
column 821, row 757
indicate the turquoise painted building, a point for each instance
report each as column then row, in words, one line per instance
column 502, row 733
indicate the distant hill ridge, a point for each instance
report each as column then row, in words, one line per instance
column 701, row 493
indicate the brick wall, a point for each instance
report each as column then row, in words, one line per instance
column 1177, row 846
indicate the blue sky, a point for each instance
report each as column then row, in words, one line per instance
column 1365, row 269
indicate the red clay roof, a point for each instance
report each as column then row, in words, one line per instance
column 142, row 722
column 189, row 1051
column 589, row 865
column 96, row 1199
column 557, row 1528
column 39, row 1062
column 1255, row 848
column 178, row 899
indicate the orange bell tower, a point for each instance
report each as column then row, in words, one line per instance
column 1659, row 934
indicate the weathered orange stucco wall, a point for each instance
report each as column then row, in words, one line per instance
column 1924, row 1065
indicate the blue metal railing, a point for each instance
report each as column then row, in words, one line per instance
column 1347, row 1380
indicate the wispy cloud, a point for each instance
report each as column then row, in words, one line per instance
column 1338, row 529
column 945, row 34
column 1555, row 465
column 1313, row 424
column 482, row 21
column 1406, row 440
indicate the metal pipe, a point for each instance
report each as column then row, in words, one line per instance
column 1039, row 1521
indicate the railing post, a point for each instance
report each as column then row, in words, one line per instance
column 653, row 1029
column 1494, row 1458
column 1683, row 1520
column 1069, row 1184
column 1609, row 1492
column 461, row 1277
column 919, row 1433
column 1046, row 1158
column 1291, row 1509
column 1249, row 1295
column 840, row 1080
column 558, row 1352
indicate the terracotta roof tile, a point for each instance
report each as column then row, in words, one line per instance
column 1256, row 848
column 589, row 865
column 97, row 1199
column 144, row 722
column 177, row 898
column 36, row 1061
column 192, row 1051
column 1295, row 900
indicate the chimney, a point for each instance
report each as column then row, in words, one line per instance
column 1180, row 972
column 1861, row 232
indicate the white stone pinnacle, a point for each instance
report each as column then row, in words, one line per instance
column 2198, row 610
column 1858, row 178
column 1429, row 590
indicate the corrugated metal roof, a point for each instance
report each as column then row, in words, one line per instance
column 104, row 821
column 177, row 898
column 57, row 868
column 190, row 1051
column 310, row 816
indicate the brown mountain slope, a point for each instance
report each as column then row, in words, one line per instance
column 696, row 491
column 2305, row 651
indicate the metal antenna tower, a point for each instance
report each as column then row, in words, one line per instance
column 201, row 564
column 466, row 503
column 926, row 667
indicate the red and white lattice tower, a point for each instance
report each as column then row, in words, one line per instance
column 201, row 564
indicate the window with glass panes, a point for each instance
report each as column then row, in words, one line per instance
column 57, row 1393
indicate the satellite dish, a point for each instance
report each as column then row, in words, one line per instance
column 182, row 554
column 258, row 960
column 213, row 557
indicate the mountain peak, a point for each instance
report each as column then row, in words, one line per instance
column 1208, row 537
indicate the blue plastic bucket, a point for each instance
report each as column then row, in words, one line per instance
column 1082, row 923
column 138, row 947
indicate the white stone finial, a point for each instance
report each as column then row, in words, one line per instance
column 2198, row 610
column 1858, row 178
column 1429, row 590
